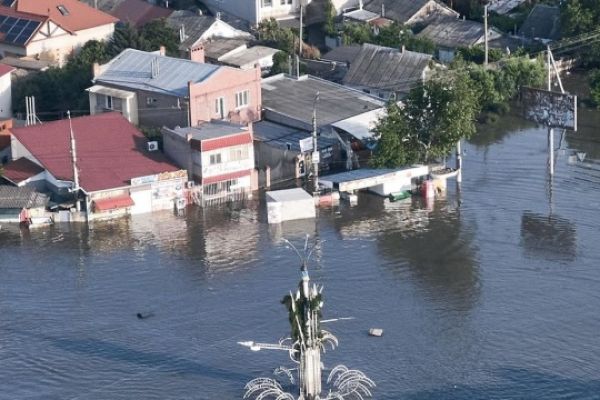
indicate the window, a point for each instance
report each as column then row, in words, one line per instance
column 152, row 100
column 241, row 99
column 63, row 10
column 215, row 159
column 109, row 102
column 220, row 107
column 267, row 3
column 238, row 153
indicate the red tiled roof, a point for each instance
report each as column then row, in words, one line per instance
column 113, row 203
column 226, row 141
column 226, row 177
column 5, row 69
column 19, row 170
column 79, row 15
column 110, row 151
column 139, row 12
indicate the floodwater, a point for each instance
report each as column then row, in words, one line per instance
column 490, row 293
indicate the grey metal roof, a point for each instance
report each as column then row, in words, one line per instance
column 345, row 54
column 133, row 69
column 542, row 22
column 294, row 98
column 282, row 136
column 330, row 70
column 361, row 15
column 211, row 130
column 248, row 56
column 453, row 32
column 215, row 48
column 12, row 197
column 387, row 68
column 194, row 26
column 356, row 174
column 398, row 10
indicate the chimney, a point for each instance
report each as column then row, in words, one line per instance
column 403, row 49
column 383, row 10
column 95, row 70
column 360, row 4
column 154, row 68
column 182, row 33
column 197, row 53
column 162, row 50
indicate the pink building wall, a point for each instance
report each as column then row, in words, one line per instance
column 225, row 83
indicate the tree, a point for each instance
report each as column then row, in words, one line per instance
column 594, row 81
column 434, row 117
column 126, row 37
column 157, row 33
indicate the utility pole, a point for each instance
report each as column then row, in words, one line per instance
column 458, row 162
column 75, row 188
column 550, row 130
column 315, row 153
column 299, row 45
column 485, row 35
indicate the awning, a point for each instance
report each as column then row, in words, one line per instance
column 108, row 91
column 113, row 203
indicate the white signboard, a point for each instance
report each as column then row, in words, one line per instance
column 551, row 109
column 316, row 157
column 306, row 145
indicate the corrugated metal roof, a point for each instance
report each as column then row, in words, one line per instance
column 294, row 99
column 282, row 136
column 345, row 54
column 133, row 69
column 194, row 26
column 248, row 57
column 215, row 48
column 387, row 68
column 453, row 32
column 399, row 10
column 361, row 15
column 12, row 197
column 542, row 22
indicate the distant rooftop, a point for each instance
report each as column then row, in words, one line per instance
column 542, row 22
column 248, row 57
column 361, row 15
column 216, row 47
column 345, row 54
column 282, row 136
column 211, row 130
column 453, row 32
column 387, row 68
column 294, row 99
column 194, row 26
column 12, row 197
column 133, row 69
column 20, row 170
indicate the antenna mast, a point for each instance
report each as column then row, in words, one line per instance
column 75, row 188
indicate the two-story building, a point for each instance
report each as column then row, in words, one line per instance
column 153, row 90
column 50, row 29
column 218, row 155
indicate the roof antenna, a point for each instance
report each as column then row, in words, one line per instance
column 75, row 188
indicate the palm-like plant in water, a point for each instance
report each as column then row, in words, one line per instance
column 308, row 340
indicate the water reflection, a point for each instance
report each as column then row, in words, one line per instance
column 448, row 274
column 549, row 237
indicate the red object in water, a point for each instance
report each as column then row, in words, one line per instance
column 113, row 203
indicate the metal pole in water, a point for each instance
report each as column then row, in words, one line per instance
column 550, row 130
column 458, row 162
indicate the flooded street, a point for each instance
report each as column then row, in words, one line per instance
column 490, row 293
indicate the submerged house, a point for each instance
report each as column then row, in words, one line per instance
column 386, row 72
column 451, row 34
column 218, row 155
column 21, row 204
column 153, row 90
column 118, row 171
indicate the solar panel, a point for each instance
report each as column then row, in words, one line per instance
column 17, row 30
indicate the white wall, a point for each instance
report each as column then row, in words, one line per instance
column 226, row 166
column 5, row 96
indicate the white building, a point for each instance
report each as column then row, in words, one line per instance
column 218, row 155
column 50, row 29
column 5, row 91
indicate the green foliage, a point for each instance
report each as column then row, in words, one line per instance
column 434, row 117
column 157, row 33
column 281, row 63
column 330, row 13
column 580, row 17
column 124, row 37
column 393, row 35
column 476, row 54
column 284, row 39
column 594, row 81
